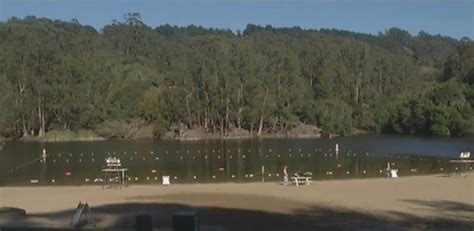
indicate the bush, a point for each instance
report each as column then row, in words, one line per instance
column 81, row 135
column 112, row 129
column 160, row 127
column 440, row 130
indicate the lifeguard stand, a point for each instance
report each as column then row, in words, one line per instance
column 114, row 174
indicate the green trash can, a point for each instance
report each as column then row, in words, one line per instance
column 143, row 223
column 186, row 221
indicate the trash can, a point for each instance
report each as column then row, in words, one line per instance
column 143, row 222
column 186, row 221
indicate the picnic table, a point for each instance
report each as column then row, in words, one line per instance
column 301, row 180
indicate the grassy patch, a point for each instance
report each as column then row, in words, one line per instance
column 81, row 135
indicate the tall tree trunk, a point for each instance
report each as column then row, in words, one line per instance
column 41, row 121
column 206, row 121
column 239, row 101
column 226, row 122
column 260, row 126
column 222, row 127
column 23, row 124
column 189, row 112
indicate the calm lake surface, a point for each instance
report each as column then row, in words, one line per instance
column 77, row 163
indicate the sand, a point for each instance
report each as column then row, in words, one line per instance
column 408, row 203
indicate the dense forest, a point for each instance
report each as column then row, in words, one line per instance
column 64, row 76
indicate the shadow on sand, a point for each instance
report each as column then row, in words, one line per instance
column 452, row 216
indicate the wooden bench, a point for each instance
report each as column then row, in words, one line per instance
column 301, row 180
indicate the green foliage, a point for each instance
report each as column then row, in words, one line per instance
column 334, row 116
column 59, row 136
column 57, row 75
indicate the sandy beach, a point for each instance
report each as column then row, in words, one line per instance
column 409, row 203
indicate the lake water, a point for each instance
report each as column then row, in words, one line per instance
column 77, row 163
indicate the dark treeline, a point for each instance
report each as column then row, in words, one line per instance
column 57, row 75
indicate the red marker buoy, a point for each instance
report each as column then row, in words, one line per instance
column 68, row 173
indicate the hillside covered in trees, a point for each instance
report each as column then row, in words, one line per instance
column 64, row 76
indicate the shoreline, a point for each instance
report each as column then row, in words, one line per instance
column 338, row 204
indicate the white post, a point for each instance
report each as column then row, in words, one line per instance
column 263, row 173
column 44, row 155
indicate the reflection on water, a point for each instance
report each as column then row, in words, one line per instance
column 76, row 163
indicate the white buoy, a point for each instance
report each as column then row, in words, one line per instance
column 233, row 176
column 53, row 180
column 213, row 176
column 194, row 177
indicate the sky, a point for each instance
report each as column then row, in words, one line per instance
column 453, row 18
